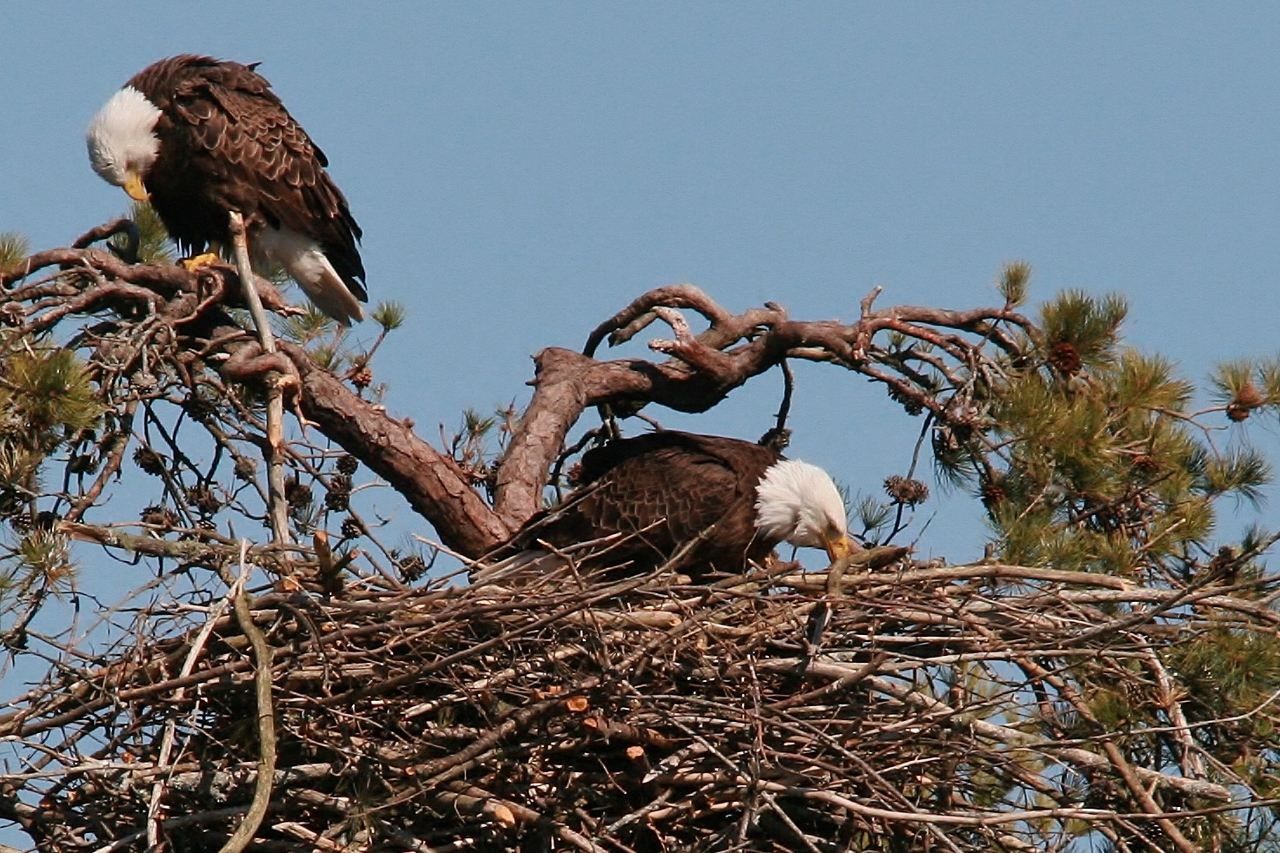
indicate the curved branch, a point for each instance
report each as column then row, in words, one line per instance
column 245, row 832
column 704, row 367
column 633, row 319
column 433, row 483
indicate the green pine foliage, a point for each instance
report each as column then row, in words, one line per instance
column 333, row 347
column 47, row 396
column 1088, row 326
column 47, row 400
column 40, row 560
column 389, row 315
column 1230, row 674
column 1087, row 453
column 1244, row 386
column 1231, row 678
column 323, row 338
column 13, row 248
column 1015, row 282
column 872, row 514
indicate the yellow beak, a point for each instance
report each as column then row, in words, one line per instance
column 133, row 186
column 838, row 548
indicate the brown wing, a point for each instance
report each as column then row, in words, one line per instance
column 227, row 135
column 666, row 488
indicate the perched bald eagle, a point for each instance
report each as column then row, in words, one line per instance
column 665, row 489
column 199, row 137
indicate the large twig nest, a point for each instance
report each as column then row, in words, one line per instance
column 776, row 710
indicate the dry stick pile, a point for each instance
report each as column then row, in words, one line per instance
column 766, row 710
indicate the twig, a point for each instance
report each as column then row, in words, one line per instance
column 166, row 746
column 266, row 713
column 278, row 508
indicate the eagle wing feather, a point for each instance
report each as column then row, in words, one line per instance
column 252, row 155
column 664, row 490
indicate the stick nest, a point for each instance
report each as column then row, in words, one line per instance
column 903, row 707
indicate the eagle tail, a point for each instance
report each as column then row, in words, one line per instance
column 305, row 261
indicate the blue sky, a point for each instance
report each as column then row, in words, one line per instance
column 522, row 170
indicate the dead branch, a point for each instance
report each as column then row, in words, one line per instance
column 706, row 366
column 277, row 508
column 264, row 705
column 433, row 483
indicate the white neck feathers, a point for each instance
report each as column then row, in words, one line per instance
column 798, row 503
column 121, row 137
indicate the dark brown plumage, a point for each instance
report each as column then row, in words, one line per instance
column 226, row 142
column 667, row 488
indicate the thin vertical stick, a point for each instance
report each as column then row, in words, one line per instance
column 170, row 730
column 244, row 833
column 278, row 509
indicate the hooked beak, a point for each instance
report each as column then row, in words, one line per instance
column 838, row 547
column 133, row 186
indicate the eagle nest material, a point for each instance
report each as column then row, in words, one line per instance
column 778, row 710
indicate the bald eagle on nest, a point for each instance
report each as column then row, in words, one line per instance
column 199, row 138
column 659, row 492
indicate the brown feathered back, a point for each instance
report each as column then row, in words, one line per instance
column 228, row 143
column 667, row 488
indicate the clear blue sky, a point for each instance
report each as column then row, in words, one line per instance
column 522, row 170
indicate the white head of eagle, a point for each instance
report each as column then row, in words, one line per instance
column 122, row 141
column 200, row 137
column 799, row 503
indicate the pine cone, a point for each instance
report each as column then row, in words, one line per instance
column 160, row 516
column 297, row 494
column 993, row 494
column 203, row 499
column 245, row 468
column 1244, row 402
column 338, row 498
column 412, row 568
column 149, row 461
column 199, row 408
column 906, row 491
column 362, row 378
column 1066, row 358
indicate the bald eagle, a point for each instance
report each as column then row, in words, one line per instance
column 200, row 137
column 663, row 490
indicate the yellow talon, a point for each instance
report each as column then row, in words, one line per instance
column 193, row 264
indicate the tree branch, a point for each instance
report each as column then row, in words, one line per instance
column 707, row 366
column 266, row 727
column 431, row 482
column 277, row 508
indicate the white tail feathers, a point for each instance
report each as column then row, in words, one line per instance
column 303, row 259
